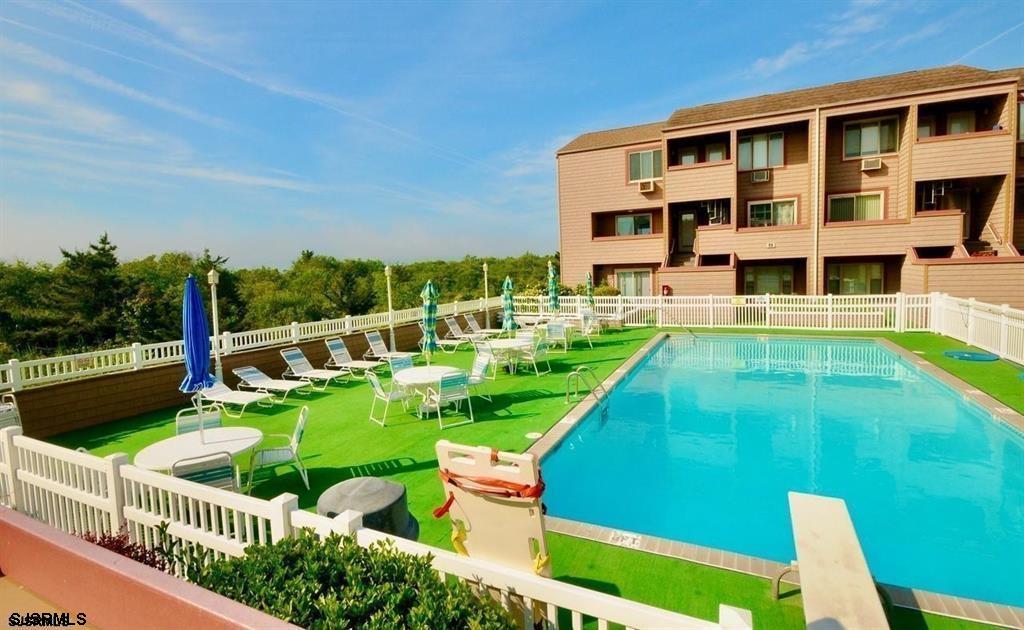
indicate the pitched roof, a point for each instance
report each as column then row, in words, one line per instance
column 904, row 82
column 614, row 138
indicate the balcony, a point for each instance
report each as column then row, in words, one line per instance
column 963, row 155
column 705, row 180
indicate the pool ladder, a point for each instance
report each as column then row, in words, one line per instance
column 585, row 375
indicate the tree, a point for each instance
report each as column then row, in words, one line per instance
column 88, row 293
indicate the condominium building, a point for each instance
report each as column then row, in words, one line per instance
column 907, row 182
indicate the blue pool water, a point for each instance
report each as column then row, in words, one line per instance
column 705, row 437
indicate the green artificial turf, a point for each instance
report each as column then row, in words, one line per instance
column 340, row 443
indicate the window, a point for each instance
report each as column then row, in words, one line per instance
column 870, row 137
column 716, row 152
column 631, row 224
column 688, row 155
column 769, row 213
column 761, row 150
column 855, row 279
column 644, row 165
column 926, row 127
column 961, row 122
column 776, row 279
column 633, row 282
column 1020, row 121
column 716, row 211
column 856, row 207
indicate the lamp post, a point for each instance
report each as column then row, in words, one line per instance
column 391, row 315
column 487, row 306
column 218, row 370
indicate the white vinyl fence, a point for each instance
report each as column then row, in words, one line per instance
column 994, row 328
column 78, row 493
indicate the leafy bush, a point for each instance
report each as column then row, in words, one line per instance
column 335, row 583
column 606, row 289
column 121, row 544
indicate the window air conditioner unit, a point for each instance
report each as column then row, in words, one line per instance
column 758, row 177
column 645, row 186
column 871, row 164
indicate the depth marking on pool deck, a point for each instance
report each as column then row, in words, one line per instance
column 958, row 607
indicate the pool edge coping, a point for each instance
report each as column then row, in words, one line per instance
column 926, row 601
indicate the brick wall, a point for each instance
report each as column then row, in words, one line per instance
column 53, row 409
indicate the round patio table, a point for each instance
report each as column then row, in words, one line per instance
column 510, row 349
column 163, row 454
column 419, row 379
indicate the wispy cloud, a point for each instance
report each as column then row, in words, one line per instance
column 34, row 57
column 185, row 26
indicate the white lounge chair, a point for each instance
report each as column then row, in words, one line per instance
column 446, row 345
column 388, row 397
column 474, row 327
column 378, row 350
column 190, row 419
column 455, row 331
column 254, row 379
column 342, row 359
column 299, row 368
column 288, row 452
column 220, row 396
column 217, row 471
column 451, row 390
column 9, row 414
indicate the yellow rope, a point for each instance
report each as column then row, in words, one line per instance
column 540, row 561
column 458, row 538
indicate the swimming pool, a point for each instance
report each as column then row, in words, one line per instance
column 706, row 435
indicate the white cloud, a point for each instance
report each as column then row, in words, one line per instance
column 186, row 26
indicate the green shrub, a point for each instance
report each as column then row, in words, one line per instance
column 605, row 289
column 335, row 583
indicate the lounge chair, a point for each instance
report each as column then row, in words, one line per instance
column 342, row 359
column 287, row 452
column 388, row 397
column 220, row 396
column 446, row 345
column 217, row 471
column 190, row 419
column 451, row 390
column 299, row 368
column 474, row 327
column 254, row 379
column 455, row 331
column 378, row 350
column 9, row 414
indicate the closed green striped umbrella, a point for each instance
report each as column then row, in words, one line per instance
column 590, row 290
column 552, row 289
column 508, row 306
column 429, row 295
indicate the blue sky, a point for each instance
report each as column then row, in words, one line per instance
column 395, row 131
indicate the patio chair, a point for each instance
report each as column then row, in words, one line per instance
column 379, row 393
column 451, row 390
column 535, row 354
column 495, row 359
column 557, row 335
column 299, row 368
column 474, row 327
column 455, row 331
column 287, row 453
column 254, row 379
column 378, row 350
column 527, row 334
column 220, row 396
column 217, row 471
column 10, row 416
column 478, row 374
column 190, row 419
column 342, row 359
column 398, row 364
column 589, row 326
column 446, row 345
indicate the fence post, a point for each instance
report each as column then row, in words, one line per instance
column 711, row 311
column 901, row 316
column 346, row 323
column 115, row 490
column 226, row 342
column 136, row 356
column 282, row 507
column 348, row 522
column 456, row 304
column 620, row 309
column 935, row 312
column 970, row 322
column 15, row 375
column 830, row 312
column 1004, row 329
column 9, row 467
column 295, row 332
column 660, row 319
column 767, row 310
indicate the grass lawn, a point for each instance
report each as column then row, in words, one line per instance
column 341, row 442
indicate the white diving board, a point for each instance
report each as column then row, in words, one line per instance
column 838, row 590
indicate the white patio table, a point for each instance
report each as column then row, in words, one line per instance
column 509, row 349
column 162, row 455
column 419, row 379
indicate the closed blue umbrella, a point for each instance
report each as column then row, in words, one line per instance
column 508, row 306
column 197, row 340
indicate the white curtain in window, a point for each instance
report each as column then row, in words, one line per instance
column 785, row 212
